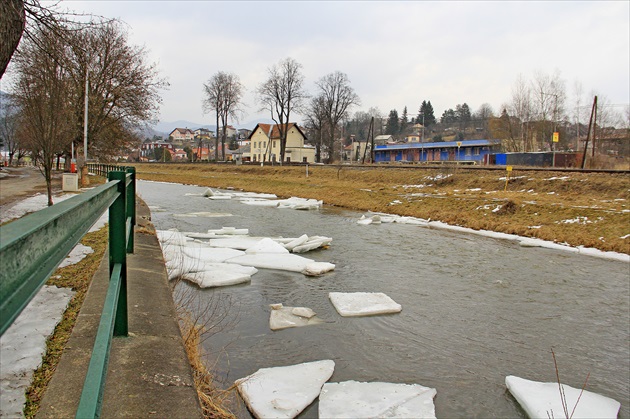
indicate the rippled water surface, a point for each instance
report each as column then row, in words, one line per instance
column 474, row 309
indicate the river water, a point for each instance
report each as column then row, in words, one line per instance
column 475, row 309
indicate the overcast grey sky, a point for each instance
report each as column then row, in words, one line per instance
column 395, row 54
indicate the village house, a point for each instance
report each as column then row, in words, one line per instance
column 181, row 136
column 265, row 144
column 203, row 134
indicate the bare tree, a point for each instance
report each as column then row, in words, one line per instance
column 338, row 97
column 123, row 87
column 223, row 94
column 283, row 94
column 45, row 108
column 316, row 122
column 8, row 128
column 521, row 109
column 549, row 95
column 25, row 18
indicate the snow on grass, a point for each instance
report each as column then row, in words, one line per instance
column 34, row 203
column 24, row 343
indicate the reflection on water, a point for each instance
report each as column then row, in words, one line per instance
column 474, row 309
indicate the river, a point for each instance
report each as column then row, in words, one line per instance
column 475, row 309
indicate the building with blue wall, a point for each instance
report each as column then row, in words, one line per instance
column 464, row 151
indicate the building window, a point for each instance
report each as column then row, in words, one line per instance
column 468, row 151
column 476, row 151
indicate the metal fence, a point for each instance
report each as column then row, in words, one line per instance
column 32, row 247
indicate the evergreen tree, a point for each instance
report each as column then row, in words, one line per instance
column 393, row 126
column 404, row 121
column 448, row 117
column 426, row 114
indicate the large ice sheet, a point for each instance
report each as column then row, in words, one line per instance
column 353, row 304
column 221, row 274
column 352, row 399
column 211, row 254
column 283, row 392
column 542, row 400
column 283, row 262
column 285, row 317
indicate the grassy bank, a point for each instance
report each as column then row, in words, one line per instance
column 589, row 209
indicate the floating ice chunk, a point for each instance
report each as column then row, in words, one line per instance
column 230, row 231
column 284, row 262
column 211, row 254
column 171, row 237
column 542, row 400
column 283, row 392
column 296, row 242
column 364, row 221
column 235, row 242
column 260, row 202
column 285, row 317
column 313, row 243
column 305, row 312
column 205, row 214
column 300, row 203
column 318, row 268
column 267, row 245
column 221, row 274
column 220, row 197
column 352, row 304
column 352, row 399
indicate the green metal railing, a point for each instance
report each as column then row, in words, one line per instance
column 103, row 169
column 32, row 247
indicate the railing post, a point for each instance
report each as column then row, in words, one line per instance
column 131, row 206
column 118, row 249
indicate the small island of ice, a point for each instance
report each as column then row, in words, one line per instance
column 542, row 400
column 353, row 304
column 352, row 399
column 283, row 392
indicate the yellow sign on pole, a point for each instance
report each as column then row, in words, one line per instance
column 507, row 177
column 556, row 137
column 508, row 168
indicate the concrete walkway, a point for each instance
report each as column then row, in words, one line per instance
column 148, row 374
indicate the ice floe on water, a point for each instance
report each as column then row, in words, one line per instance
column 354, row 304
column 265, row 200
column 543, row 400
column 282, row 317
column 229, row 256
column 378, row 218
column 283, row 392
column 352, row 399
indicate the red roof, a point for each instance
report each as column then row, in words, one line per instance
column 274, row 129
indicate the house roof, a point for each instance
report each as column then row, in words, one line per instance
column 442, row 144
column 274, row 130
column 182, row 131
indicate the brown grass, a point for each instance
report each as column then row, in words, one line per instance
column 214, row 402
column 459, row 196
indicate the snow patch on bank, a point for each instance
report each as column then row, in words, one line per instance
column 24, row 343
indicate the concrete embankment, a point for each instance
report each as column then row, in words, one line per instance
column 149, row 374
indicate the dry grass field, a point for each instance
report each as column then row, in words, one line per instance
column 588, row 209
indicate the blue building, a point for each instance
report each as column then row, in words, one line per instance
column 464, row 151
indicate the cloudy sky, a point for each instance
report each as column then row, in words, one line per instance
column 395, row 54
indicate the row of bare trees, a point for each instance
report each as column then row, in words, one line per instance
column 284, row 95
column 55, row 67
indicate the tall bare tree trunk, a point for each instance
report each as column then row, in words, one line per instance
column 12, row 21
